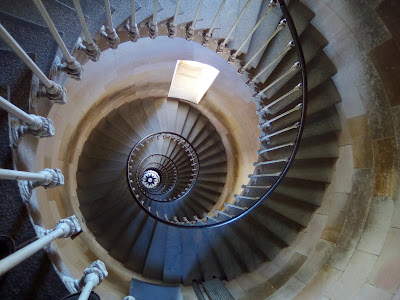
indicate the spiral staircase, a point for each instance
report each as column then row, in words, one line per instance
column 154, row 184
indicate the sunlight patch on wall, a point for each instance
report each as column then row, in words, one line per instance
column 191, row 80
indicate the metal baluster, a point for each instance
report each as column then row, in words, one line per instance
column 172, row 25
column 108, row 31
column 191, row 25
column 222, row 46
column 247, row 187
column 55, row 92
column 265, row 175
column 211, row 218
column 88, row 46
column 268, row 136
column 284, row 51
column 152, row 25
column 235, row 206
column 274, row 148
column 223, row 213
column 271, row 5
column 131, row 26
column 36, row 125
column 70, row 65
column 286, row 159
column 208, row 35
column 268, row 122
column 265, row 109
column 292, row 69
column 280, row 26
column 245, row 197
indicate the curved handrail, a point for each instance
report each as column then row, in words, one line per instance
column 301, row 123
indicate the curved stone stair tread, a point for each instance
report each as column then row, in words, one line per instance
column 264, row 242
column 319, row 69
column 292, row 208
column 31, row 37
column 93, row 10
column 264, row 30
column 301, row 21
column 279, row 225
column 64, row 17
column 245, row 25
column 312, row 43
column 123, row 130
column 150, row 108
column 121, row 249
column 224, row 251
column 154, row 264
column 172, row 271
column 209, row 262
column 245, row 255
column 190, row 262
column 315, row 169
column 17, row 77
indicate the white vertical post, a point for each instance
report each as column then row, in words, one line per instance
column 55, row 91
column 152, row 25
column 131, row 26
column 73, row 68
column 209, row 33
column 190, row 29
column 64, row 228
column 108, row 31
column 92, row 277
column 226, row 40
column 47, row 178
column 90, row 48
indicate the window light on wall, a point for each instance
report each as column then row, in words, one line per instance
column 191, row 80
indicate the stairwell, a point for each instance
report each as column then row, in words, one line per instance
column 305, row 240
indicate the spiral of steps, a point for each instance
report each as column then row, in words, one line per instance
column 150, row 138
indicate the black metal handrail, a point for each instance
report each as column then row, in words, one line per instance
column 301, row 60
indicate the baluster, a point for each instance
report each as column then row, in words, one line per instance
column 265, row 109
column 92, row 277
column 108, row 31
column 88, row 46
column 280, row 26
column 235, row 206
column 239, row 197
column 275, row 148
column 152, row 25
column 191, row 25
column 211, row 218
column 265, row 175
column 70, row 65
column 268, row 136
column 284, row 51
column 128, row 298
column 54, row 91
column 36, row 125
column 286, row 159
column 208, row 35
column 222, row 46
column 131, row 26
column 64, row 228
column 247, row 187
column 223, row 213
column 292, row 69
column 271, row 5
column 172, row 25
column 268, row 122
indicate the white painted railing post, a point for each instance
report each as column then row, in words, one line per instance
column 172, row 24
column 71, row 66
column 92, row 277
column 48, row 178
column 108, row 31
column 63, row 229
column 152, row 24
column 131, row 26
column 36, row 125
column 55, row 92
column 88, row 46
column 208, row 35
column 129, row 298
